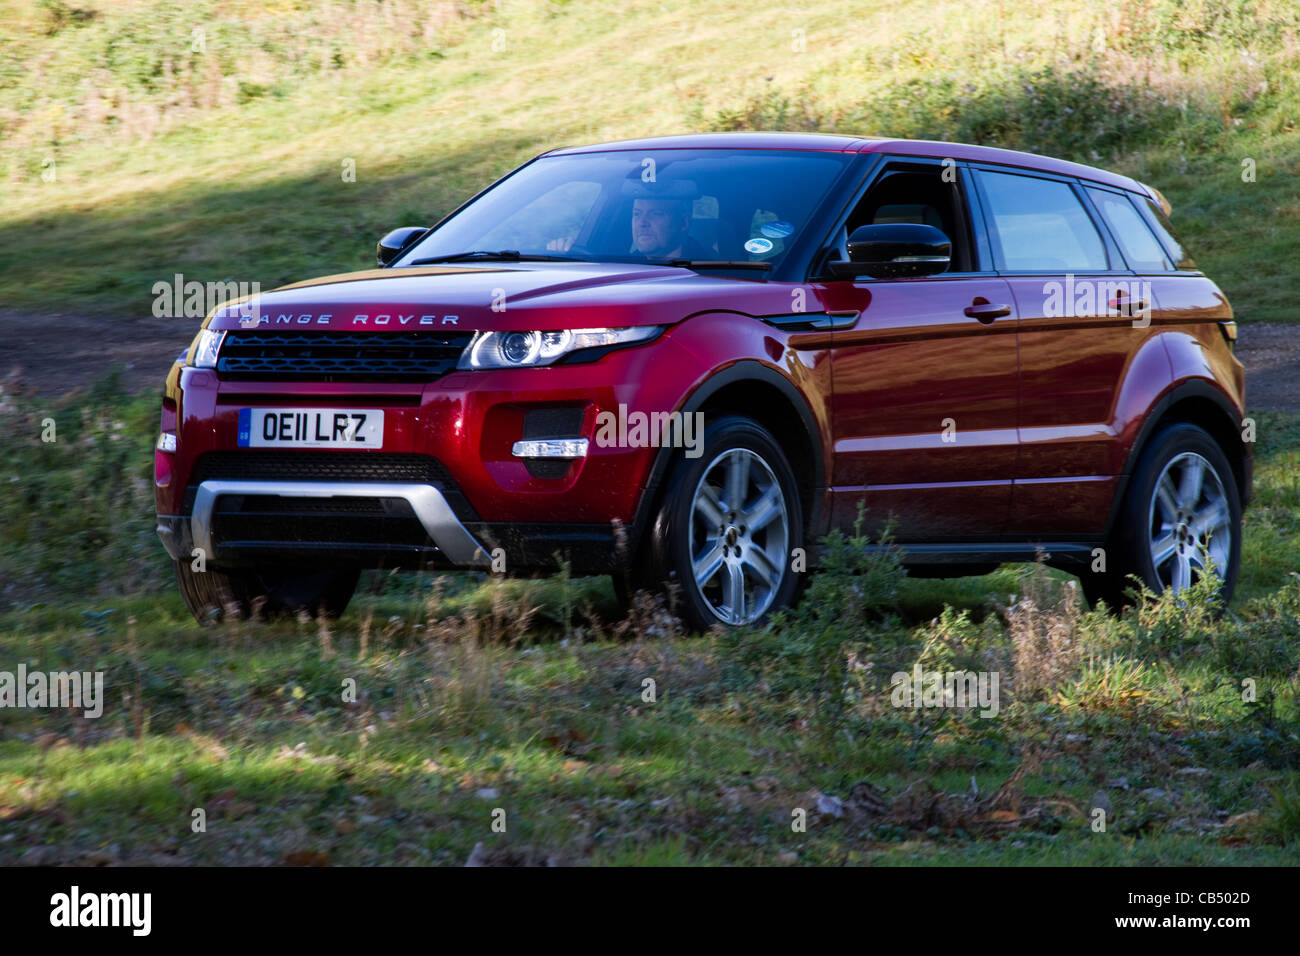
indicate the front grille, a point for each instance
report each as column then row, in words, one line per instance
column 301, row 531
column 320, row 466
column 252, row 354
column 296, row 522
column 403, row 468
column 274, row 504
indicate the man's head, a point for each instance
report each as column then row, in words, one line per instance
column 659, row 225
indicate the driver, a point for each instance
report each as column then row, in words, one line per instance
column 660, row 230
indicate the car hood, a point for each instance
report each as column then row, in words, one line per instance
column 506, row 296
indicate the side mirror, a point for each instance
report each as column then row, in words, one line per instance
column 895, row 250
column 397, row 242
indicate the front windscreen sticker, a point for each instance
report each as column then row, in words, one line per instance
column 758, row 246
column 776, row 230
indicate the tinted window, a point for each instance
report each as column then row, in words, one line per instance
column 1142, row 250
column 557, row 213
column 1040, row 225
column 1156, row 219
column 639, row 205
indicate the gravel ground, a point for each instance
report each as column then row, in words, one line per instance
column 1271, row 354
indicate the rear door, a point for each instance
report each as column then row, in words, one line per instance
column 1084, row 328
column 924, row 405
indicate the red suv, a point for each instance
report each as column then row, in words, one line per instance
column 687, row 359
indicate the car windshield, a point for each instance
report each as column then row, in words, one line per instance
column 738, row 206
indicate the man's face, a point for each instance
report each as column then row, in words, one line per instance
column 659, row 225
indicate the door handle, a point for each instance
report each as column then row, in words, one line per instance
column 985, row 311
column 1123, row 305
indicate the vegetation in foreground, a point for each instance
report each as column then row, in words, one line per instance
column 621, row 741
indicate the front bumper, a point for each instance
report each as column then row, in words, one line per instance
column 452, row 540
column 446, row 489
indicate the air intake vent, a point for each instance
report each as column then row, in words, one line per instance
column 329, row 466
column 339, row 356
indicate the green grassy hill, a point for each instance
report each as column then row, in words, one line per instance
column 141, row 138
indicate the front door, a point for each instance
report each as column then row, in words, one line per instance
column 925, row 382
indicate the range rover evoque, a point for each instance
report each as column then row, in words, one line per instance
column 999, row 355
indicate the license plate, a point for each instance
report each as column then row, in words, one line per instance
column 311, row 428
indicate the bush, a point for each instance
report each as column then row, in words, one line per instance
column 76, row 517
column 803, row 652
column 1075, row 112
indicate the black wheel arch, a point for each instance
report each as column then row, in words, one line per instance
column 792, row 417
column 1194, row 402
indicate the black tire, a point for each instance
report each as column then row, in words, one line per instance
column 625, row 585
column 677, row 531
column 1141, row 524
column 215, row 595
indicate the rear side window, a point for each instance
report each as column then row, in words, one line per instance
column 1040, row 225
column 1140, row 247
column 1155, row 217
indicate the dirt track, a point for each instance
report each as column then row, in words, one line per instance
column 1271, row 354
column 57, row 353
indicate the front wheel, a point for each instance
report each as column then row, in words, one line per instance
column 727, row 527
column 1180, row 520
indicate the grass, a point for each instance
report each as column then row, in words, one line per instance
column 399, row 733
column 247, row 724
column 395, row 734
column 224, row 159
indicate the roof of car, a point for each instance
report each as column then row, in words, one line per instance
column 1004, row 157
column 819, row 141
column 866, row 144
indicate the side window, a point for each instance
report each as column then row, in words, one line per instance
column 1040, row 225
column 1142, row 250
column 907, row 195
column 1161, row 227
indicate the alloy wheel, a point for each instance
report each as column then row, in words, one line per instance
column 740, row 532
column 1189, row 519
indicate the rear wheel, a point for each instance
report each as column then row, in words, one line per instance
column 1180, row 520
column 214, row 595
column 727, row 526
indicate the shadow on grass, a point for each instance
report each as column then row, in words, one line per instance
column 272, row 232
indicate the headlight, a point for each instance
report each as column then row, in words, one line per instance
column 206, row 347
column 520, row 349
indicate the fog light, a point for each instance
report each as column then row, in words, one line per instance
column 551, row 448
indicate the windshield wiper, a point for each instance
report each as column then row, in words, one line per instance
column 507, row 255
column 720, row 264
